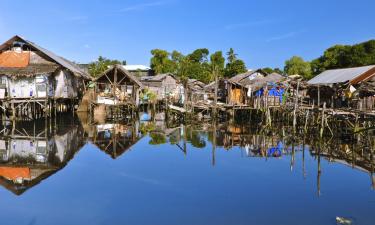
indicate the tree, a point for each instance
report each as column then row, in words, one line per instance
column 278, row 70
column 269, row 70
column 102, row 64
column 231, row 56
column 217, row 69
column 199, row 55
column 296, row 65
column 160, row 61
column 217, row 64
column 234, row 66
column 345, row 56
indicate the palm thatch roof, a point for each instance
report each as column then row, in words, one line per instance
column 260, row 82
column 108, row 76
column 245, row 77
column 51, row 61
column 158, row 77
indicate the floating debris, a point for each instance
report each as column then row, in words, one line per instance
column 342, row 220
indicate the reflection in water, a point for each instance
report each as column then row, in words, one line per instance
column 114, row 138
column 32, row 151
column 175, row 167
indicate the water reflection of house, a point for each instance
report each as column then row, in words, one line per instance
column 115, row 139
column 360, row 158
column 30, row 153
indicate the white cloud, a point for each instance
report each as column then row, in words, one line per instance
column 284, row 36
column 142, row 6
column 87, row 46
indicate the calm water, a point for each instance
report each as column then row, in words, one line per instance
column 143, row 172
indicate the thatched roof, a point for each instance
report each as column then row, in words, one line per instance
column 196, row 85
column 120, row 69
column 260, row 82
column 243, row 77
column 31, row 69
column 158, row 77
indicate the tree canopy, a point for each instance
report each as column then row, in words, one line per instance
column 296, row 65
column 345, row 56
column 99, row 66
column 234, row 66
column 199, row 64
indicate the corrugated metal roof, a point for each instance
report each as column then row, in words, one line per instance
column 136, row 67
column 339, row 75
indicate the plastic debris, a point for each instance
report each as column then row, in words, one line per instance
column 342, row 220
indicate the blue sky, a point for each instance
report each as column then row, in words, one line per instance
column 263, row 33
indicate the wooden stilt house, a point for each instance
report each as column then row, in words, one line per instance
column 33, row 79
column 343, row 88
column 117, row 86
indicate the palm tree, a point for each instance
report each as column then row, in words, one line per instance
column 231, row 56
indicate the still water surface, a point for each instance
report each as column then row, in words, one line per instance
column 143, row 172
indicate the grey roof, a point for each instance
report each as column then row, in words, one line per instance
column 74, row 68
column 263, row 81
column 339, row 75
column 241, row 77
column 158, row 77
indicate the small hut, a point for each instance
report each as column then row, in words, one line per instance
column 117, row 86
column 30, row 73
column 163, row 85
column 234, row 90
column 337, row 87
column 268, row 89
column 196, row 90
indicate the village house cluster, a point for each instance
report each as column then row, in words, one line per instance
column 35, row 82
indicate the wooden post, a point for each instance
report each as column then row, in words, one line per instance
column 214, row 111
column 214, row 143
column 318, row 96
column 323, row 120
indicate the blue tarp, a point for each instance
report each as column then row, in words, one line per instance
column 276, row 151
column 272, row 92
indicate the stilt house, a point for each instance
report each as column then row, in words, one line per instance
column 30, row 73
column 117, row 86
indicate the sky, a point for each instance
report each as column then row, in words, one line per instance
column 263, row 33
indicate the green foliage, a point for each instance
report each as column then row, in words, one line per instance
column 234, row 66
column 231, row 56
column 157, row 138
column 198, row 65
column 217, row 64
column 269, row 70
column 148, row 94
column 296, row 65
column 145, row 128
column 161, row 62
column 102, row 64
column 345, row 56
